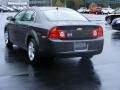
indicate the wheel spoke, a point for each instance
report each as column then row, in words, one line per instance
column 31, row 51
column 6, row 37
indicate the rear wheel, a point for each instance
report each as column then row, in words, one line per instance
column 32, row 50
column 8, row 43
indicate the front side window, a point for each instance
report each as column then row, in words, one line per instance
column 28, row 16
column 19, row 16
column 64, row 15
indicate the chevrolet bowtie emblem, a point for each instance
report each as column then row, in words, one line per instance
column 79, row 29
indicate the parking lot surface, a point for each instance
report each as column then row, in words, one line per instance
column 102, row 72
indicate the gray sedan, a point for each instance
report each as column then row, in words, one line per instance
column 53, row 32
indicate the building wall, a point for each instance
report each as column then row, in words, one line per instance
column 72, row 3
column 103, row 1
column 18, row 2
column 40, row 2
column 3, row 2
column 6, row 2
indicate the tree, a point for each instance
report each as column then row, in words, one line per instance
column 70, row 4
column 92, row 6
column 59, row 3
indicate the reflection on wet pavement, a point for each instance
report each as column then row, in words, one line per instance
column 116, row 35
column 58, row 74
column 102, row 72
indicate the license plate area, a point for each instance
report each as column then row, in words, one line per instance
column 80, row 46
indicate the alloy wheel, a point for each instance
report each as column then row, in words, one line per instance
column 108, row 20
column 31, row 51
column 6, row 36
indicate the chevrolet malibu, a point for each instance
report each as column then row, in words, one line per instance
column 53, row 32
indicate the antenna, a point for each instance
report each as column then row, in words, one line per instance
column 57, row 8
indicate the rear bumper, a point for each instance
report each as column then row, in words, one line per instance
column 77, row 53
column 65, row 48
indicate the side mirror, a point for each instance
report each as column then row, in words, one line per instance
column 11, row 18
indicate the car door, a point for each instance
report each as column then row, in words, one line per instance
column 14, row 27
column 26, row 20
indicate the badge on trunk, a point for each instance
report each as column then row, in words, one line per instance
column 79, row 29
column 69, row 35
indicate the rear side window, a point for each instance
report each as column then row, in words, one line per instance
column 28, row 16
column 64, row 15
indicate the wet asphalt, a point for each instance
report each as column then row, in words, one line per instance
column 102, row 72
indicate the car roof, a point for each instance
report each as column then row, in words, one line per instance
column 46, row 8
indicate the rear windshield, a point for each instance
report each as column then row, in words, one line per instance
column 64, row 15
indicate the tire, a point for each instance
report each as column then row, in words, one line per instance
column 109, row 20
column 87, row 56
column 1, row 11
column 32, row 51
column 8, row 43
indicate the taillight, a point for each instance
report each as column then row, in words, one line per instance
column 56, row 33
column 98, row 32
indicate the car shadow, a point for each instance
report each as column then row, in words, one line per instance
column 15, row 54
column 116, row 35
column 75, row 76
column 57, row 74
column 115, row 40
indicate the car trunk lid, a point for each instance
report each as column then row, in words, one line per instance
column 79, row 32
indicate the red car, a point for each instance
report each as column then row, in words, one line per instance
column 97, row 10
